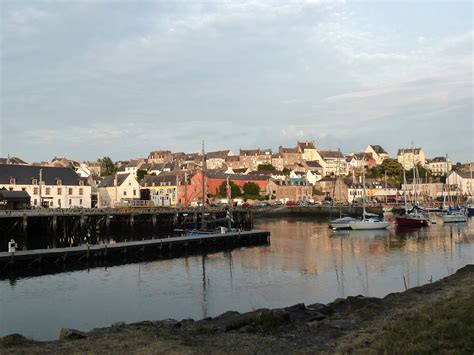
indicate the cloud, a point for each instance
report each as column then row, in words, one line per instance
column 26, row 21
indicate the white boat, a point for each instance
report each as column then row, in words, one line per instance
column 341, row 223
column 369, row 221
column 454, row 217
column 369, row 224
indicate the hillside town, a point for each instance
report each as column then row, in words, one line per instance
column 303, row 174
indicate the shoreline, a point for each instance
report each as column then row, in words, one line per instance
column 348, row 324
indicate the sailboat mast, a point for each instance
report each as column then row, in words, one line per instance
column 203, row 186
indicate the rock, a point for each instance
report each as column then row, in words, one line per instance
column 321, row 308
column 71, row 334
column 270, row 319
column 14, row 340
column 316, row 317
column 247, row 329
column 344, row 324
column 299, row 307
column 167, row 323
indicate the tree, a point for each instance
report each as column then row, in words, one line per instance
column 107, row 165
column 286, row 171
column 251, row 189
column 141, row 174
column 392, row 167
column 234, row 189
column 266, row 167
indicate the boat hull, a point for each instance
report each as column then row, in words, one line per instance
column 341, row 223
column 368, row 225
column 409, row 221
column 454, row 218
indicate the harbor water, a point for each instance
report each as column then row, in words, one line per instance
column 305, row 262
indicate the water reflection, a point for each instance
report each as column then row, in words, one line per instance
column 305, row 262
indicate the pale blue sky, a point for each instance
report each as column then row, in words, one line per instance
column 84, row 79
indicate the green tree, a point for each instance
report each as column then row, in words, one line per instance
column 392, row 167
column 141, row 174
column 286, row 171
column 251, row 189
column 108, row 166
column 234, row 189
column 266, row 167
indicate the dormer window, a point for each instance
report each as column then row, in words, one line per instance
column 81, row 182
column 34, row 181
column 12, row 181
column 59, row 182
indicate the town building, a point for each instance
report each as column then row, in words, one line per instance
column 377, row 153
column 160, row 156
column 462, row 182
column 277, row 161
column 217, row 160
column 411, row 157
column 292, row 189
column 290, row 156
column 333, row 188
column 13, row 161
column 422, row 192
column 118, row 189
column 333, row 162
column 439, row 166
column 14, row 200
column 307, row 150
column 163, row 188
column 47, row 186
column 252, row 158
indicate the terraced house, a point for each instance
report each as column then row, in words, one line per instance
column 47, row 186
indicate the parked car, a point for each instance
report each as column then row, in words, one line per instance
column 277, row 203
column 291, row 203
column 262, row 204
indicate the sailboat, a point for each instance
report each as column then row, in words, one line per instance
column 369, row 221
column 415, row 217
column 452, row 214
column 341, row 222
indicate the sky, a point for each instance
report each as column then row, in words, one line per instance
column 85, row 79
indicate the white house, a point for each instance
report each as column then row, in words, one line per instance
column 47, row 186
column 118, row 189
column 440, row 165
column 410, row 157
column 378, row 153
column 461, row 181
column 333, row 162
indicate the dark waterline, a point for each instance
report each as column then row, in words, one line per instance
column 306, row 262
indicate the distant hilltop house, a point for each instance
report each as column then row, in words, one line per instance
column 12, row 161
column 333, row 162
column 160, row 156
column 410, row 157
column 377, row 153
column 290, row 156
column 252, row 158
column 216, row 160
column 439, row 165
column 47, row 186
column 307, row 149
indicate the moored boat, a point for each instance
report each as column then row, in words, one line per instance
column 341, row 223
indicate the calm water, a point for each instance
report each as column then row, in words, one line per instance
column 306, row 262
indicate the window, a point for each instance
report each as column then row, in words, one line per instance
column 134, row 192
column 34, row 181
column 12, row 181
column 35, row 191
column 51, row 204
column 70, row 191
column 80, row 202
column 124, row 192
column 59, row 182
column 48, row 191
column 81, row 191
column 60, row 191
column 70, row 202
column 59, row 202
column 35, row 202
column 81, row 182
column 23, row 189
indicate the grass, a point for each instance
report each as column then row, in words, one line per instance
column 439, row 325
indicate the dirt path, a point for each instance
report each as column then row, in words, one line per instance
column 437, row 317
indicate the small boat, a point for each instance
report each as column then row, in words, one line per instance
column 413, row 218
column 341, row 223
column 454, row 216
column 369, row 223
